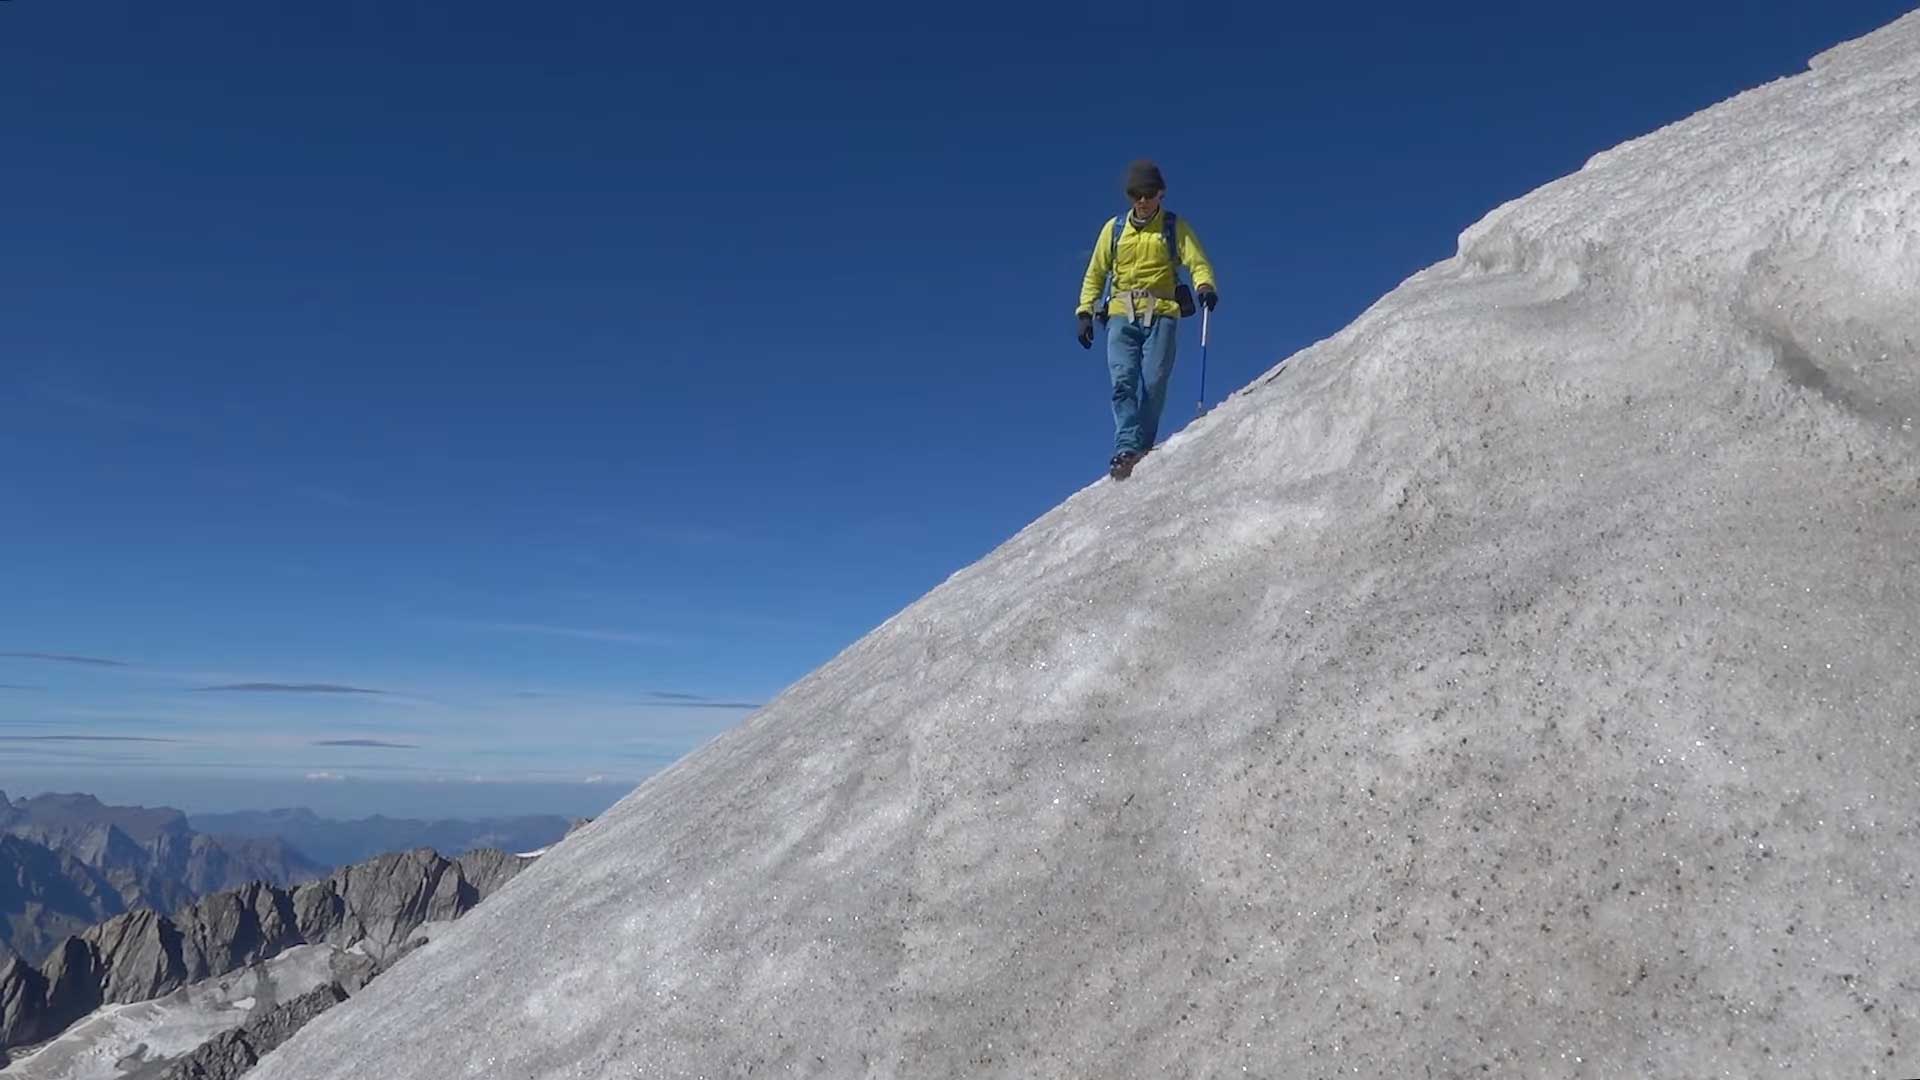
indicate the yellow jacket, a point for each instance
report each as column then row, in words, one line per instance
column 1143, row 262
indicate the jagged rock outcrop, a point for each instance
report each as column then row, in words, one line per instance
column 232, row 929
column 23, row 996
column 142, row 955
column 40, row 1002
column 380, row 902
column 486, row 869
column 138, row 954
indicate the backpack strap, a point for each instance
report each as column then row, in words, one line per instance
column 1169, row 228
column 1114, row 229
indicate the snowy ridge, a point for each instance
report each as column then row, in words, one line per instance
column 1521, row 682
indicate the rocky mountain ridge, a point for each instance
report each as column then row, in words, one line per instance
column 143, row 954
column 335, row 842
column 68, row 861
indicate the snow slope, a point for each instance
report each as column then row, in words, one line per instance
column 1524, row 681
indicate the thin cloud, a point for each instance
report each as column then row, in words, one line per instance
column 697, row 701
column 366, row 742
column 86, row 738
column 289, row 688
column 64, row 658
column 229, row 681
column 15, row 686
column 326, row 777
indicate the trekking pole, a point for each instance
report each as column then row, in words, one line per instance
column 1200, row 407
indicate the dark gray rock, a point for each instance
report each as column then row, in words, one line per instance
column 353, row 970
column 231, row 930
column 23, row 996
column 75, row 983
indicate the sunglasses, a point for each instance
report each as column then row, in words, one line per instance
column 1143, row 196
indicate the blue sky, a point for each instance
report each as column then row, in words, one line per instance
column 398, row 396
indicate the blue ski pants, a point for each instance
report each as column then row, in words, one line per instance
column 1140, row 361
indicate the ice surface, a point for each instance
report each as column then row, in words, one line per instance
column 1524, row 681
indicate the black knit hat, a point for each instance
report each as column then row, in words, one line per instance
column 1144, row 175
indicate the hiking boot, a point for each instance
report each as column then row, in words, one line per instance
column 1121, row 466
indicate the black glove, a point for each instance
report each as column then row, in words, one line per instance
column 1086, row 330
column 1207, row 297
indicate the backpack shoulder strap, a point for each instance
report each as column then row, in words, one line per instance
column 1170, row 229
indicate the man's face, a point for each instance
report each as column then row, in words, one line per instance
column 1146, row 204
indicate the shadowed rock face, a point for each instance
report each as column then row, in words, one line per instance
column 47, row 895
column 486, row 869
column 143, row 955
column 73, row 983
column 70, row 861
column 212, row 863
